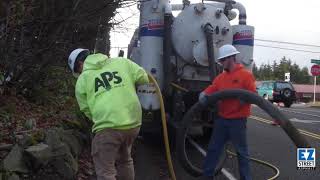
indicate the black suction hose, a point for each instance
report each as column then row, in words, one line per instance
column 167, row 48
column 208, row 30
column 245, row 96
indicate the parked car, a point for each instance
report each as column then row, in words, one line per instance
column 277, row 91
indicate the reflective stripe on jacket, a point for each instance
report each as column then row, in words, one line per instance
column 106, row 92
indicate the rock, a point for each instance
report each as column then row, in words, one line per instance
column 55, row 158
column 66, row 166
column 63, row 162
column 38, row 155
column 24, row 140
column 52, row 137
column 70, row 138
column 13, row 162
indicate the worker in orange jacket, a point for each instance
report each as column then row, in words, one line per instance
column 232, row 113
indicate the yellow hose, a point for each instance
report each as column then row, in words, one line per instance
column 263, row 163
column 164, row 128
column 179, row 87
column 166, row 139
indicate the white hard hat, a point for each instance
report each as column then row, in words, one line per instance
column 226, row 51
column 73, row 56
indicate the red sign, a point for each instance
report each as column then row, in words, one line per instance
column 315, row 70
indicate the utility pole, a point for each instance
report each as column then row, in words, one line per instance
column 314, row 89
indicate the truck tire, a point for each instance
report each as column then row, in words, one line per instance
column 287, row 104
column 286, row 93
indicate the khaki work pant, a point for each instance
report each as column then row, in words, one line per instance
column 111, row 153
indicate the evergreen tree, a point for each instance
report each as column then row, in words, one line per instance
column 306, row 78
column 277, row 71
column 255, row 71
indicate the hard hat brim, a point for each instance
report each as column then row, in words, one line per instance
column 73, row 56
column 228, row 55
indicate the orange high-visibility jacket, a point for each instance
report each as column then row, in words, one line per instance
column 239, row 78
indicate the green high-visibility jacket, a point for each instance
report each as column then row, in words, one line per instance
column 106, row 92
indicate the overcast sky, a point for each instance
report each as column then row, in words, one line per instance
column 276, row 20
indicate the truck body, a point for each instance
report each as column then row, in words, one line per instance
column 180, row 51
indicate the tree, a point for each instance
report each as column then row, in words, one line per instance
column 255, row 71
column 277, row 71
column 38, row 34
column 295, row 73
column 265, row 72
column 306, row 78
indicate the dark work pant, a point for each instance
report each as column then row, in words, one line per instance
column 233, row 130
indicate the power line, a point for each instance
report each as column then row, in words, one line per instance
column 291, row 49
column 284, row 42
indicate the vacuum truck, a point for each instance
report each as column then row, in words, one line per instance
column 177, row 44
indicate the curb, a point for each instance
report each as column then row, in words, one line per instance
column 315, row 106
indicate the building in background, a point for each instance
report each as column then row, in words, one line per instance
column 305, row 92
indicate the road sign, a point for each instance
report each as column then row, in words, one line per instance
column 316, row 61
column 315, row 70
column 287, row 77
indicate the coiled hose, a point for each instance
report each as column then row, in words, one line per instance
column 245, row 96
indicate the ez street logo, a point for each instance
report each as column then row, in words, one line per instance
column 306, row 158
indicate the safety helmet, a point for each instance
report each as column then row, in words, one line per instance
column 226, row 51
column 73, row 56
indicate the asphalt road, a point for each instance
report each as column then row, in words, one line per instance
column 267, row 142
column 270, row 143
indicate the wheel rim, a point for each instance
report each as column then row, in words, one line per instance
column 287, row 93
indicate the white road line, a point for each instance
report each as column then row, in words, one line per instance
column 301, row 113
column 307, row 133
column 196, row 145
column 304, row 121
column 226, row 173
column 305, row 110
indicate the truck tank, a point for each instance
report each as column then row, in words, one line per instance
column 188, row 38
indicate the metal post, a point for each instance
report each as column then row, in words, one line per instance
column 314, row 89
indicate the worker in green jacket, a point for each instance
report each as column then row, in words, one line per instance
column 106, row 93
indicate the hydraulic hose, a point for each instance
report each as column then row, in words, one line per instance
column 164, row 128
column 167, row 48
column 245, row 96
column 184, row 161
column 208, row 30
column 269, row 108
